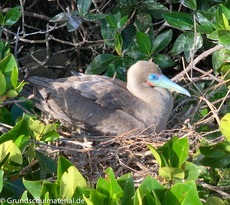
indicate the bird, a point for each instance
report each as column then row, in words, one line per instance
column 106, row 106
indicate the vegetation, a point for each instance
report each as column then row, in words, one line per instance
column 191, row 167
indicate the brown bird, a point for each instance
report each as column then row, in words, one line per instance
column 107, row 106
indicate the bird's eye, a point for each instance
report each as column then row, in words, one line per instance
column 154, row 77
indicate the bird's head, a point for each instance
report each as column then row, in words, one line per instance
column 144, row 72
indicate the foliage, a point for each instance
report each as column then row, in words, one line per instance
column 130, row 40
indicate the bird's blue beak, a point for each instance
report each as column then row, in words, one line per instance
column 162, row 81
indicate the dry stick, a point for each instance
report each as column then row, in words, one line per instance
column 177, row 78
column 16, row 101
column 29, row 166
column 216, row 189
column 23, row 18
column 210, row 75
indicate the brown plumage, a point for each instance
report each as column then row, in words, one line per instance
column 105, row 106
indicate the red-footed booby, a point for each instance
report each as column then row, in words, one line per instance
column 107, row 106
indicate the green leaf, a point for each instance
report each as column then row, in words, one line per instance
column 180, row 147
column 118, row 43
column 34, row 187
column 83, row 6
column 6, row 116
column 144, row 24
column 50, row 136
column 180, row 20
column 22, row 143
column 127, row 185
column 224, row 38
column 18, row 130
column 107, row 32
column 171, row 173
column 158, row 156
column 94, row 17
column 192, row 171
column 63, row 165
column 36, row 128
column 128, row 34
column 189, row 44
column 178, row 46
column 100, row 63
column 214, row 200
column 220, row 57
column 112, row 21
column 69, row 181
column 191, row 4
column 213, row 151
column 183, row 193
column 1, row 180
column 155, row 9
column 149, row 184
column 12, row 94
column 96, row 197
column 163, row 61
column 224, row 126
column 6, row 67
column 51, row 188
column 216, row 162
column 12, row 16
column 123, row 21
column 1, row 21
column 126, row 3
column 73, row 23
column 143, row 42
column 47, row 163
column 161, row 41
column 2, row 83
column 14, row 77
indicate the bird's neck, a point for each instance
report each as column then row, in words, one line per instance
column 156, row 107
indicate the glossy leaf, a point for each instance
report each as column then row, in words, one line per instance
column 224, row 38
column 189, row 44
column 12, row 94
column 69, row 181
column 128, row 34
column 171, row 173
column 34, row 187
column 14, row 77
column 123, row 21
column 178, row 46
column 18, row 130
column 155, row 9
column 183, row 193
column 180, row 20
column 144, row 24
column 96, row 197
column 149, row 184
column 127, row 185
column 191, row 4
column 220, row 57
column 6, row 67
column 22, row 143
column 158, row 156
column 143, row 42
column 107, row 32
column 50, row 136
column 12, row 16
column 161, row 41
column 224, row 126
column 112, row 21
column 2, row 83
column 216, row 162
column 63, row 165
column 192, row 171
column 73, row 23
column 216, row 150
column 6, row 116
column 94, row 17
column 163, row 61
column 118, row 43
column 214, row 200
column 126, row 3
column 100, row 63
column 83, row 6
column 47, row 163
